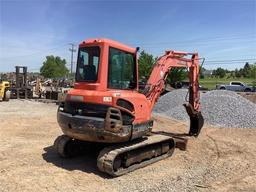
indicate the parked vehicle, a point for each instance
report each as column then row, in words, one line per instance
column 185, row 85
column 235, row 86
column 4, row 90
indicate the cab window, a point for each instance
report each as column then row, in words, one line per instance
column 121, row 69
column 88, row 64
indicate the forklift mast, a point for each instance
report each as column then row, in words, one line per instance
column 21, row 76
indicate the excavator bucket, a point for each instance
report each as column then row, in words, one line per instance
column 196, row 120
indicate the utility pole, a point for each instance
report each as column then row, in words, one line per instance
column 72, row 49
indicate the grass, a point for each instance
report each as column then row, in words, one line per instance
column 210, row 83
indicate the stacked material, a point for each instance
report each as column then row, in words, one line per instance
column 219, row 108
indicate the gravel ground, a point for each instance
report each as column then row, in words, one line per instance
column 218, row 160
column 219, row 108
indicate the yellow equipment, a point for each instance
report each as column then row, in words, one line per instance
column 5, row 93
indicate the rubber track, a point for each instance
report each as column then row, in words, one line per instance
column 59, row 145
column 107, row 155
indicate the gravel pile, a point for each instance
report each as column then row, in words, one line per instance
column 219, row 108
column 171, row 104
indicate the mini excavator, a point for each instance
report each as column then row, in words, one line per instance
column 106, row 106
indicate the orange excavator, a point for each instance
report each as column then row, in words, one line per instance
column 107, row 107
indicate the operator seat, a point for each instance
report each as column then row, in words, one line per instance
column 90, row 73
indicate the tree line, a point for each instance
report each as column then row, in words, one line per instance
column 55, row 67
column 248, row 71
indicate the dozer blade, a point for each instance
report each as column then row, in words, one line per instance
column 196, row 120
column 123, row 158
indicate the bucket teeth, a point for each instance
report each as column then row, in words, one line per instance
column 196, row 120
column 196, row 124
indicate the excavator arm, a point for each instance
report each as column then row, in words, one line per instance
column 157, row 80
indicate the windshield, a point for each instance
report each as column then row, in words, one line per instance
column 88, row 64
column 121, row 70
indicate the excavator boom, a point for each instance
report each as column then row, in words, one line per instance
column 159, row 74
column 157, row 81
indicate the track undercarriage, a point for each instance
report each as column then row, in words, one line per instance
column 120, row 159
column 124, row 148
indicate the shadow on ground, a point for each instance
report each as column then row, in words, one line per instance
column 86, row 163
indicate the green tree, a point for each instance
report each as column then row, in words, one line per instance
column 219, row 72
column 232, row 74
column 253, row 75
column 246, row 70
column 54, row 67
column 237, row 73
column 3, row 77
column 146, row 62
column 177, row 75
column 253, row 71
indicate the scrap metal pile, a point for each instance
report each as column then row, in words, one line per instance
column 25, row 85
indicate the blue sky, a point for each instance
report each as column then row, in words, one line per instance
column 218, row 30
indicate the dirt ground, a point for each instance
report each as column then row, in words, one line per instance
column 220, row 159
column 249, row 96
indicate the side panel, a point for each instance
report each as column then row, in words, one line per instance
column 141, row 104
